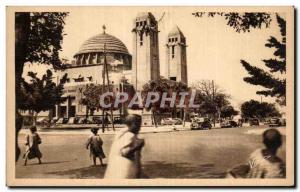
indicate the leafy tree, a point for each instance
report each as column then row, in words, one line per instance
column 91, row 98
column 38, row 38
column 210, row 97
column 160, row 86
column 228, row 111
column 255, row 109
column 92, row 95
column 241, row 22
column 274, row 85
column 41, row 94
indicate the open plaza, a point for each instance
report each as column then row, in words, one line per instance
column 168, row 153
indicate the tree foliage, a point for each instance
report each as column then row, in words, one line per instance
column 211, row 98
column 43, row 36
column 38, row 38
column 160, row 86
column 41, row 94
column 91, row 98
column 163, row 85
column 241, row 22
column 275, row 86
column 228, row 111
column 92, row 95
column 255, row 109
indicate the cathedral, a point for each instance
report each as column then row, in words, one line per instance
column 136, row 68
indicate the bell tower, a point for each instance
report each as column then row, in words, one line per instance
column 145, row 57
column 176, row 56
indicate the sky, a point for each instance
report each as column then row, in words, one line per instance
column 214, row 49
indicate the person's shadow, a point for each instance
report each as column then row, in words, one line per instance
column 46, row 163
column 93, row 171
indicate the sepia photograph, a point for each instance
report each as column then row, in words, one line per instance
column 150, row 96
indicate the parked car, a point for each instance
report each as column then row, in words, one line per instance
column 62, row 120
column 267, row 121
column 59, row 121
column 200, row 124
column 254, row 122
column 274, row 122
column 97, row 120
column 90, row 120
column 71, row 120
column 42, row 121
column 277, row 122
column 171, row 121
column 118, row 120
column 76, row 120
column 166, row 121
column 81, row 120
column 282, row 121
column 66, row 119
column 228, row 124
column 54, row 120
column 177, row 121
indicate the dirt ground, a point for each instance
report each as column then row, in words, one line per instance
column 181, row 154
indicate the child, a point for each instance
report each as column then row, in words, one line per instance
column 264, row 163
column 32, row 142
column 95, row 144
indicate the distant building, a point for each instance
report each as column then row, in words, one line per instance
column 137, row 69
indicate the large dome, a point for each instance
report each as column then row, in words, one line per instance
column 96, row 43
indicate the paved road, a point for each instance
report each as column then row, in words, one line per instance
column 181, row 154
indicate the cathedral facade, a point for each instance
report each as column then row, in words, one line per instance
column 136, row 69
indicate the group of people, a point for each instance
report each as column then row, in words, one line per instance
column 125, row 153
